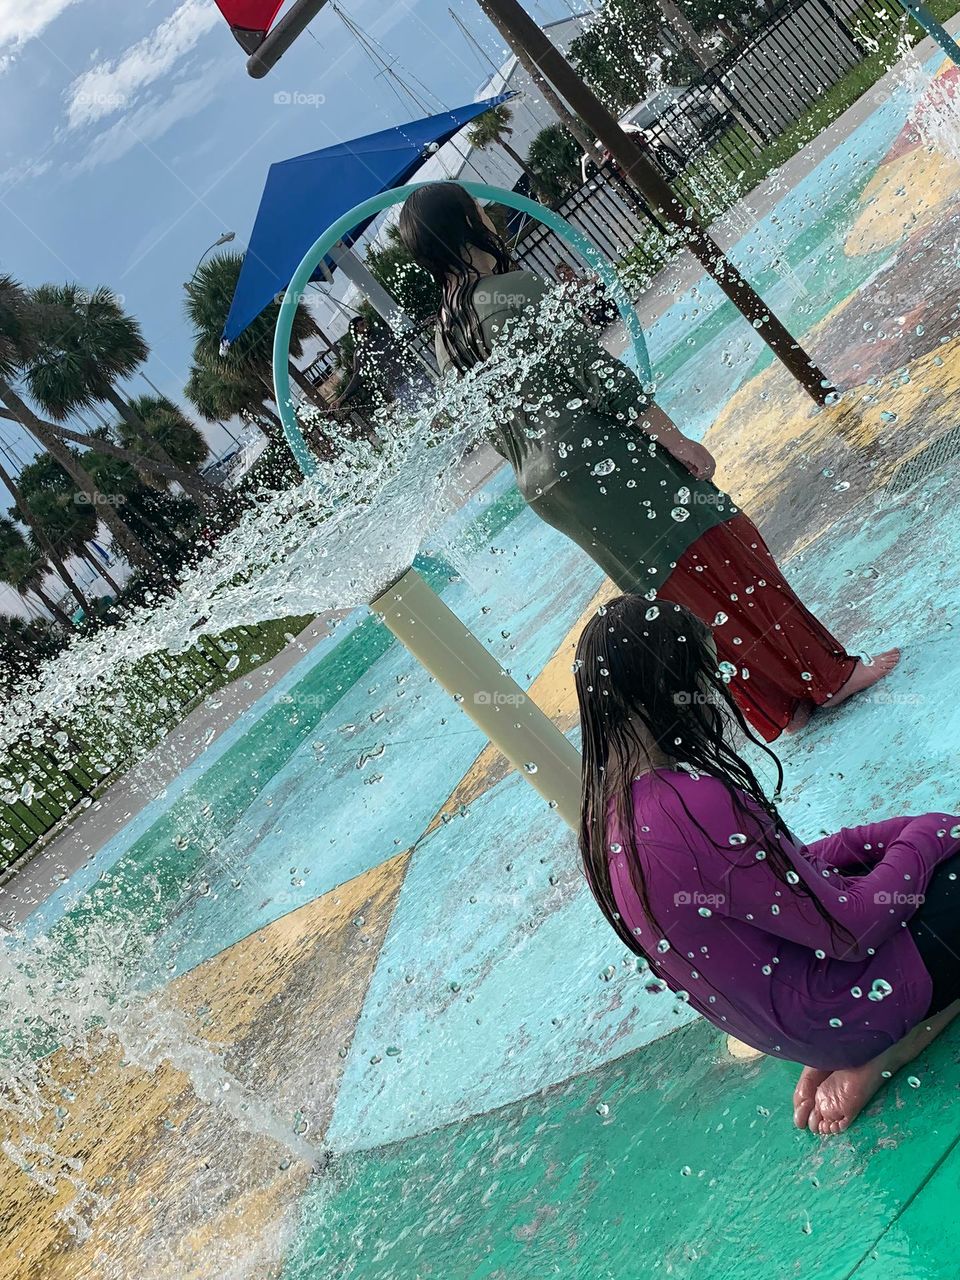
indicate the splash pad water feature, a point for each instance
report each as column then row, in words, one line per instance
column 415, row 614
column 515, row 1132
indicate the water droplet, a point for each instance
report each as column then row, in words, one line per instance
column 680, row 514
column 530, row 767
column 913, row 1082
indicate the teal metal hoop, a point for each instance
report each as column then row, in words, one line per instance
column 376, row 204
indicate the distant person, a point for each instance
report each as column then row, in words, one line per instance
column 596, row 459
column 842, row 955
column 383, row 369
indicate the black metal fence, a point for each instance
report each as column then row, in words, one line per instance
column 606, row 209
column 710, row 137
column 756, row 92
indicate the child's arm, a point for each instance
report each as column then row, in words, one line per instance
column 862, row 911
column 857, row 849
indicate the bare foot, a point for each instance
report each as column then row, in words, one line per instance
column 801, row 717
column 866, row 673
column 804, row 1096
column 843, row 1095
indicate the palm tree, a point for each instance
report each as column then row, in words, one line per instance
column 494, row 128
column 63, row 523
column 156, row 516
column 20, row 569
column 86, row 343
column 68, row 526
column 44, row 544
column 555, row 161
column 17, row 345
column 209, row 295
column 167, row 430
column 415, row 289
column 219, row 391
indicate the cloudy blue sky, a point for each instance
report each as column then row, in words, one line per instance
column 131, row 135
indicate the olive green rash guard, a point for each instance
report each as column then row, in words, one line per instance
column 572, row 434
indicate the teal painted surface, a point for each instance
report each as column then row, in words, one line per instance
column 498, row 977
column 528, row 952
column 267, row 821
column 700, row 348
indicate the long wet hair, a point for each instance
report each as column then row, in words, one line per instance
column 655, row 666
column 439, row 225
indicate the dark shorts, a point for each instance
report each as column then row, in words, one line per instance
column 936, row 931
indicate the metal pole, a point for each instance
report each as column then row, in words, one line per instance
column 293, row 23
column 497, row 705
column 523, row 33
column 933, row 28
column 357, row 272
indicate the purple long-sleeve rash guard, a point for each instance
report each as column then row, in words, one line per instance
column 830, row 988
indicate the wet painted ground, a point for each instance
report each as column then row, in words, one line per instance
column 381, row 935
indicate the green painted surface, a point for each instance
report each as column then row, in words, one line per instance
column 550, row 1187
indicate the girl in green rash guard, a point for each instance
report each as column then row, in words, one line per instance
column 598, row 461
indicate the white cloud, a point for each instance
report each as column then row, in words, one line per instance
column 152, row 119
column 23, row 20
column 22, row 171
column 114, row 84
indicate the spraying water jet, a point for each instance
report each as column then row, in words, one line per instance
column 413, row 612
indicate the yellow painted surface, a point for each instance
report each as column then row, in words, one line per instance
column 773, row 448
column 903, row 196
column 186, row 1190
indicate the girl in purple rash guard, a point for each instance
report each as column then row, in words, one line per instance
column 842, row 955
